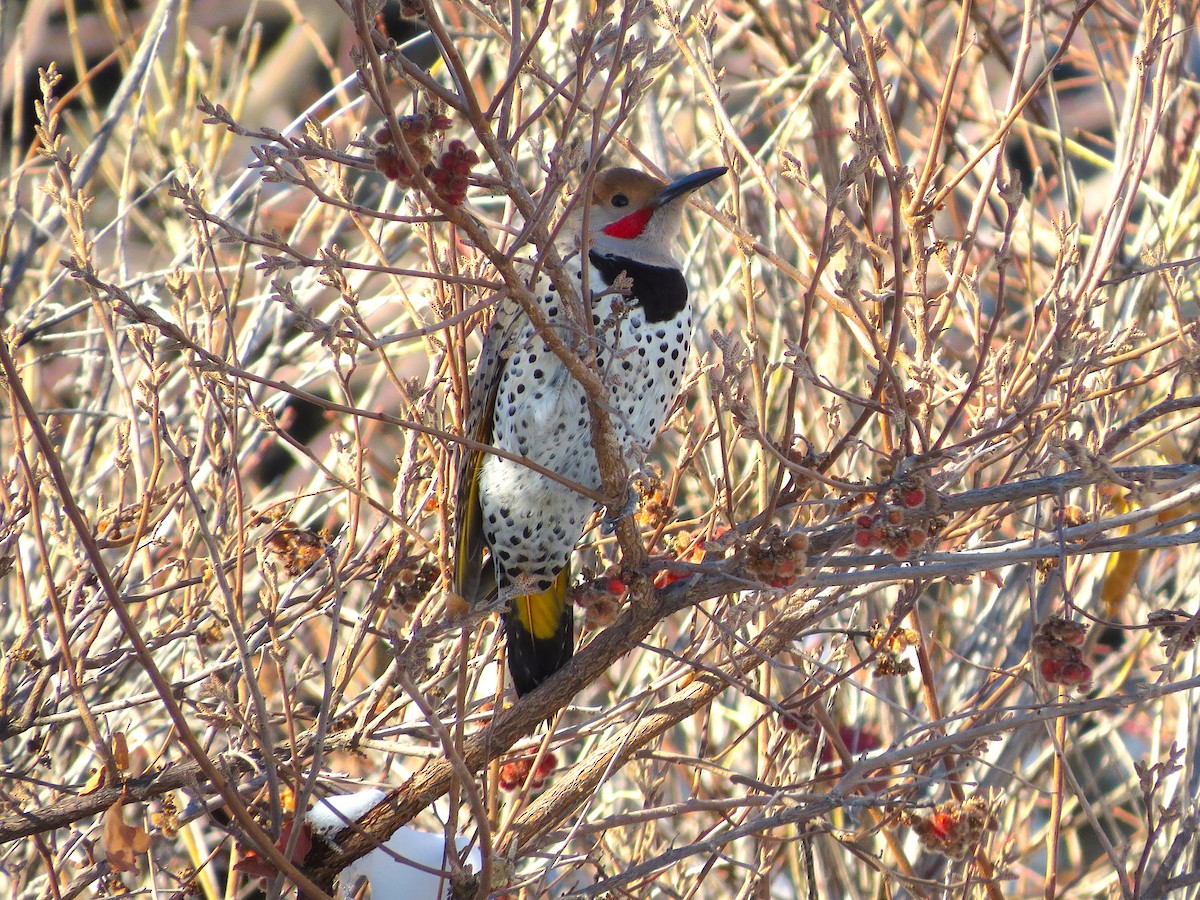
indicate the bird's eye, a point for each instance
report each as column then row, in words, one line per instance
column 620, row 200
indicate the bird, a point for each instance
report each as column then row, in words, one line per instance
column 516, row 528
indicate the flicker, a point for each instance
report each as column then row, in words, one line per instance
column 517, row 528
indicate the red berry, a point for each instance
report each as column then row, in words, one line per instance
column 914, row 497
column 616, row 587
column 1075, row 673
column 1051, row 670
column 667, row 577
column 863, row 538
column 457, row 147
column 388, row 165
column 514, row 773
column 548, row 764
column 440, row 122
column 941, row 824
column 900, row 551
column 864, row 521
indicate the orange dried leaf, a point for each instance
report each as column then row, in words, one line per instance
column 95, row 781
column 120, row 751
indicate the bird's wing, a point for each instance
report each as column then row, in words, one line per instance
column 474, row 574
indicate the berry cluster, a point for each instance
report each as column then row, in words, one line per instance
column 776, row 559
column 450, row 174
column 684, row 547
column 887, row 529
column 790, row 721
column 1057, row 647
column 654, row 507
column 1179, row 630
column 414, row 581
column 857, row 738
column 890, row 646
column 599, row 598
column 954, row 828
column 296, row 549
column 514, row 773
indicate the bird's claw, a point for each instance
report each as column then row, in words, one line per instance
column 609, row 523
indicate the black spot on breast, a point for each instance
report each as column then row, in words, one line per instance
column 661, row 292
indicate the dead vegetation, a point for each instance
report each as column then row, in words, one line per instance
column 908, row 608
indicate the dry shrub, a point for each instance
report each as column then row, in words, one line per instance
column 943, row 410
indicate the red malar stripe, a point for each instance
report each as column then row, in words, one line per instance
column 630, row 226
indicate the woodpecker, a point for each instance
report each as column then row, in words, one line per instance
column 515, row 527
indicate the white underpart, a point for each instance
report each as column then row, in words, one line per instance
column 541, row 413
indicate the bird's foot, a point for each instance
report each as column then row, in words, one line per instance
column 609, row 523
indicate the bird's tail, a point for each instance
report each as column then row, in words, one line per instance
column 541, row 634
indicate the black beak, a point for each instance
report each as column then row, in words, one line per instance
column 681, row 187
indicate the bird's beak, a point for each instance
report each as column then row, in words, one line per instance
column 681, row 187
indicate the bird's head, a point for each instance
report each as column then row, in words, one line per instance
column 637, row 216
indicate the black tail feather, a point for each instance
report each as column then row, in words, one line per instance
column 531, row 660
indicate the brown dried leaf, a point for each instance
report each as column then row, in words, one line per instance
column 121, row 841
